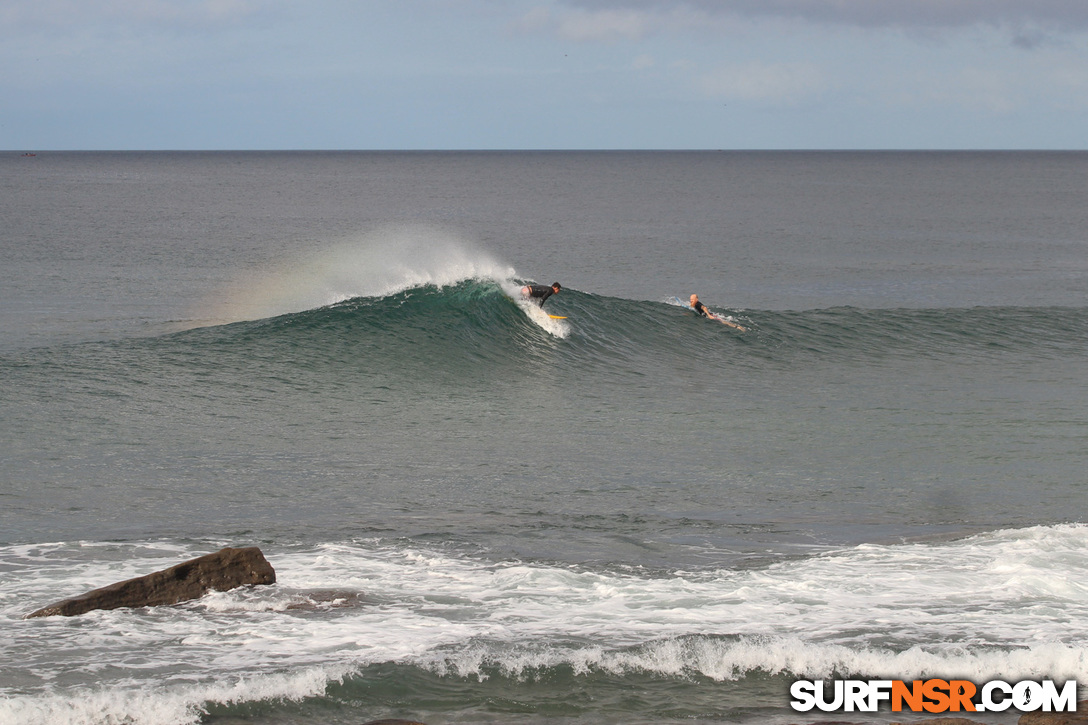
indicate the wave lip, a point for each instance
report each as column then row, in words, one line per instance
column 157, row 705
column 721, row 658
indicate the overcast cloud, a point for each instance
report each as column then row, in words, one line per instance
column 1052, row 14
column 544, row 74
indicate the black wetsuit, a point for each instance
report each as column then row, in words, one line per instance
column 540, row 292
column 701, row 308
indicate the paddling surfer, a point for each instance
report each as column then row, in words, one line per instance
column 540, row 292
column 700, row 309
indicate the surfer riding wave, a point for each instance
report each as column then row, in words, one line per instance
column 702, row 310
column 539, row 293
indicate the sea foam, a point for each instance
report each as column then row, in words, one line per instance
column 1002, row 605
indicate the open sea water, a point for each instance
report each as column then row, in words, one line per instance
column 481, row 514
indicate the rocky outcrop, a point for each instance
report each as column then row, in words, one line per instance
column 1080, row 717
column 224, row 570
column 944, row 721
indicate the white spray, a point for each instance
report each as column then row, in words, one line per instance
column 378, row 264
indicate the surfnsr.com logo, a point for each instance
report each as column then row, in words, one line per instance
column 932, row 696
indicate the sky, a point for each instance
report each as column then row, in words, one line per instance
column 543, row 74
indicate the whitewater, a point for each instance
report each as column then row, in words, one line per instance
column 989, row 607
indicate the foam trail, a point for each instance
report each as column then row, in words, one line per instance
column 375, row 265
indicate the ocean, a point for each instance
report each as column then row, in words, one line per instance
column 478, row 513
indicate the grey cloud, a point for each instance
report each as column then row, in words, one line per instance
column 1053, row 15
column 195, row 15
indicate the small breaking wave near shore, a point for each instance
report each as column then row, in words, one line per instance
column 1005, row 604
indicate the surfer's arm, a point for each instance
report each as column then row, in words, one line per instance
column 724, row 321
column 702, row 310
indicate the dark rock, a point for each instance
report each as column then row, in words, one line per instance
column 224, row 570
column 944, row 721
column 1080, row 717
column 393, row 722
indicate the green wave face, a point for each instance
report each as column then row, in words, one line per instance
column 481, row 323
